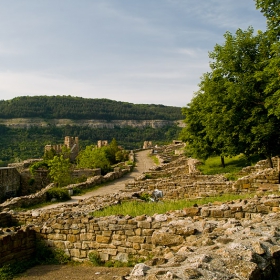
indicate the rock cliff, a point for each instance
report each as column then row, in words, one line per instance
column 28, row 122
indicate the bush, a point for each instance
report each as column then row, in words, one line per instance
column 59, row 194
column 95, row 259
column 145, row 197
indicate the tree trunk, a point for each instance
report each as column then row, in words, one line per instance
column 270, row 163
column 223, row 162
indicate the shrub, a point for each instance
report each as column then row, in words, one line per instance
column 58, row 193
column 94, row 258
column 145, row 196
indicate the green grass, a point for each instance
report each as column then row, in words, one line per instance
column 136, row 208
column 155, row 159
column 233, row 165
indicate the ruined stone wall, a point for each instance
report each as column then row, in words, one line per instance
column 9, row 182
column 40, row 196
column 86, row 172
column 6, row 219
column 19, row 246
column 117, row 237
column 33, row 183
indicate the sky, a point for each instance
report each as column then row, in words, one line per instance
column 137, row 51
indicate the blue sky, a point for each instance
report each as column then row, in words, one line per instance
column 138, row 51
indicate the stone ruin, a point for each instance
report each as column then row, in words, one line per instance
column 147, row 145
column 72, row 143
column 102, row 143
column 232, row 240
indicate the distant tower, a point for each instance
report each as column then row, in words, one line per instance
column 147, row 144
column 102, row 143
column 72, row 143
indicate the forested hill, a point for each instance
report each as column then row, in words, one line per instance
column 67, row 107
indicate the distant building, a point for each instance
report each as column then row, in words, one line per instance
column 102, row 143
column 72, row 143
column 147, row 144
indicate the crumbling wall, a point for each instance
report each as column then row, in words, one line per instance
column 9, row 182
column 17, row 246
column 117, row 237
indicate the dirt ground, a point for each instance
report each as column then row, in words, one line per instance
column 76, row 272
column 85, row 271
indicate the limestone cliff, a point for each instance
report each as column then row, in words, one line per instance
column 29, row 122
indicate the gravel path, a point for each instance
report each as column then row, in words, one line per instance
column 143, row 163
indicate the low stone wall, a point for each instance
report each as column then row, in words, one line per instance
column 27, row 200
column 40, row 196
column 17, row 246
column 118, row 237
column 264, row 180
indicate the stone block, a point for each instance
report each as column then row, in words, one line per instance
column 136, row 238
column 107, row 233
column 215, row 213
column 263, row 209
column 192, row 211
column 144, row 224
column 136, row 246
column 75, row 253
column 129, row 232
column 71, row 238
column 239, row 215
column 166, row 239
column 102, row 239
column 138, row 231
column 59, row 245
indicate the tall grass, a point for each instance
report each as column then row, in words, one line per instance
column 137, row 208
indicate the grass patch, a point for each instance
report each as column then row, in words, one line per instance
column 212, row 166
column 155, row 159
column 137, row 208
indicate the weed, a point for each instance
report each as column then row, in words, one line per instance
column 148, row 176
column 145, row 196
column 94, row 258
column 155, row 159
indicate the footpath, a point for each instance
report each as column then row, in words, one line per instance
column 143, row 163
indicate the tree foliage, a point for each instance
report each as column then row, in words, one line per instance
column 236, row 110
column 59, row 170
column 77, row 108
column 103, row 157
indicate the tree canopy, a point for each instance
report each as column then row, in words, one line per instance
column 236, row 109
column 77, row 108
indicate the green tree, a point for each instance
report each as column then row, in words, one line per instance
column 60, row 170
column 233, row 117
column 271, row 73
column 93, row 157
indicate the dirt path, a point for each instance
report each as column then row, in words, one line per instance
column 143, row 163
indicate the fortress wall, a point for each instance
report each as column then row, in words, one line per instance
column 9, row 182
column 17, row 246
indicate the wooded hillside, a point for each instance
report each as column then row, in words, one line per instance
column 20, row 143
column 68, row 107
